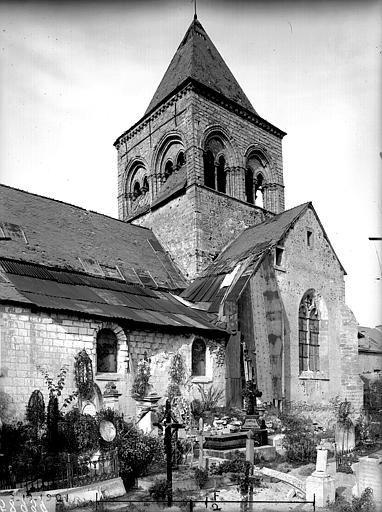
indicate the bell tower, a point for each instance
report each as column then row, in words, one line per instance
column 201, row 165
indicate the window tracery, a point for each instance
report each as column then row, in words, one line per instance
column 309, row 334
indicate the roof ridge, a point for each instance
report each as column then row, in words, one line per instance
column 72, row 205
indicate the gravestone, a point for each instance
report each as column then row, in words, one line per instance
column 320, row 484
column 344, row 438
column 368, row 474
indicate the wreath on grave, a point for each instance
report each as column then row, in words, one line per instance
column 35, row 412
column 83, row 370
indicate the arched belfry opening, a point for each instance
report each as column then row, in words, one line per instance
column 221, row 175
column 214, row 164
column 209, row 169
column 256, row 172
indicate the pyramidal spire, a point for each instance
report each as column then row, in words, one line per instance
column 198, row 59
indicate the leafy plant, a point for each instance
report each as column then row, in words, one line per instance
column 56, row 388
column 83, row 372
column 141, row 385
column 80, row 433
column 177, row 373
column 299, row 441
column 177, row 370
column 365, row 503
column 137, row 451
column 173, row 390
column 210, row 397
column 201, row 477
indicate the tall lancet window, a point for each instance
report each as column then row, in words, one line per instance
column 309, row 330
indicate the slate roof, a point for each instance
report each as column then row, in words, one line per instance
column 241, row 258
column 197, row 58
column 40, row 230
column 68, row 291
column 369, row 339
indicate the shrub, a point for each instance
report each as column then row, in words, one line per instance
column 137, row 451
column 299, row 440
column 80, row 433
column 201, row 477
column 158, row 491
column 236, row 465
column 365, row 503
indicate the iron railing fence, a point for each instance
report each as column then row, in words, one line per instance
column 60, row 472
column 344, row 460
column 190, row 504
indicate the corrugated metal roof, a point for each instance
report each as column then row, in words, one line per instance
column 120, row 300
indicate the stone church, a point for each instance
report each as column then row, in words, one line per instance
column 204, row 261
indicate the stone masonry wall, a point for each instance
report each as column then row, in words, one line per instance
column 316, row 267
column 194, row 227
column 241, row 137
column 29, row 339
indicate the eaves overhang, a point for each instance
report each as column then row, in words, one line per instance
column 214, row 96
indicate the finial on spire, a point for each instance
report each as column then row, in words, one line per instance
column 195, row 15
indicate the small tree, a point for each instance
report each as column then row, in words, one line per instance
column 177, row 372
column 55, row 389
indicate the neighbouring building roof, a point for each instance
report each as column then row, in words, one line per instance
column 369, row 340
column 61, row 290
column 197, row 58
column 226, row 277
column 45, row 231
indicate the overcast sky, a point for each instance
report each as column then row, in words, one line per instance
column 74, row 76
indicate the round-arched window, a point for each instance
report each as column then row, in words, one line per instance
column 198, row 357
column 107, row 350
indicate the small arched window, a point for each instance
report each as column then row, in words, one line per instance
column 145, row 186
column 168, row 170
column 259, row 191
column 221, row 177
column 209, row 169
column 308, row 329
column 180, row 160
column 107, row 350
column 137, row 190
column 198, row 358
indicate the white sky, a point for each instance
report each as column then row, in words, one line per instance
column 75, row 76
